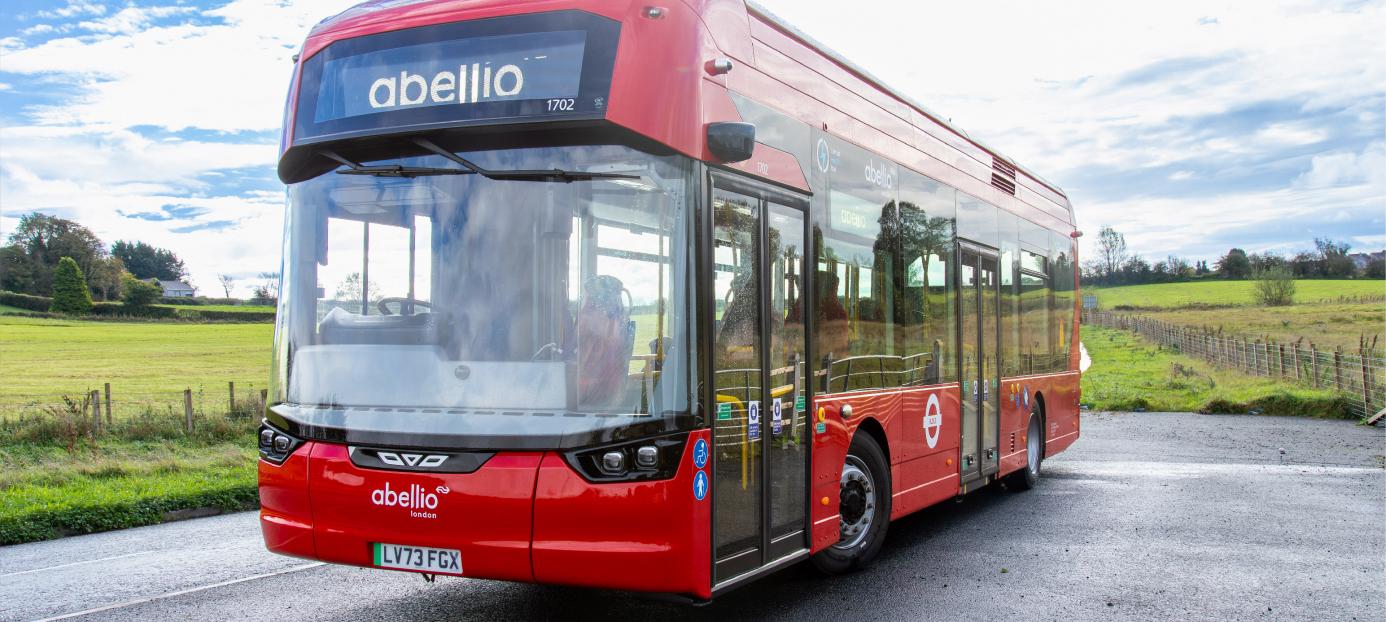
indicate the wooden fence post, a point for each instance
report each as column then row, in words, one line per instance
column 108, row 404
column 231, row 397
column 187, row 410
column 1338, row 366
column 1280, row 358
column 1314, row 358
column 95, row 412
column 1294, row 354
column 264, row 401
column 1366, row 388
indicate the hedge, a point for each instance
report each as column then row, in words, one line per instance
column 116, row 309
column 231, row 316
column 38, row 304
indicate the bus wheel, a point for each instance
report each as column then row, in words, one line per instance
column 1027, row 477
column 863, row 507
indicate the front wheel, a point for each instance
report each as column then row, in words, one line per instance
column 1027, row 477
column 863, row 508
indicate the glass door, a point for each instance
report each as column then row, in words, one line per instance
column 760, row 438
column 978, row 340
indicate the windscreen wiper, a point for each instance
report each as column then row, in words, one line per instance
column 390, row 170
column 556, row 174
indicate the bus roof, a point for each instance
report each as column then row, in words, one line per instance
column 789, row 29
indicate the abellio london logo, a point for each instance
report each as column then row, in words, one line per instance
column 417, row 499
column 468, row 84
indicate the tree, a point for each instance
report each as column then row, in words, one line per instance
column 70, row 294
column 149, row 262
column 105, row 277
column 1376, row 269
column 1334, row 260
column 42, row 241
column 138, row 293
column 227, row 282
column 1111, row 252
column 270, row 283
column 349, row 290
column 1234, row 265
column 1275, row 287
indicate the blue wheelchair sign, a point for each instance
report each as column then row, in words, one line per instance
column 700, row 454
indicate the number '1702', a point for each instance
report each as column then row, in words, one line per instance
column 561, row 105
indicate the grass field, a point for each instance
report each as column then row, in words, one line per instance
column 8, row 309
column 47, row 491
column 1127, row 373
column 42, row 359
column 1225, row 293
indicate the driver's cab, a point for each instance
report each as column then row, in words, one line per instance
column 471, row 286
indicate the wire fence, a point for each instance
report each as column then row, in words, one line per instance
column 104, row 406
column 1360, row 377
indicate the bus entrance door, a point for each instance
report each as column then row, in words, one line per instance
column 759, row 391
column 979, row 326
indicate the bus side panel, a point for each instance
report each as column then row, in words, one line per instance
column 286, row 514
column 1061, row 412
column 643, row 536
column 830, row 450
column 930, row 474
column 485, row 514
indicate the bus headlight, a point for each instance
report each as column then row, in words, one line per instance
column 276, row 446
column 633, row 461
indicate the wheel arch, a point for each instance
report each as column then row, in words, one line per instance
column 876, row 431
column 1044, row 423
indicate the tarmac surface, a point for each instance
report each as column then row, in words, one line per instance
column 1149, row 516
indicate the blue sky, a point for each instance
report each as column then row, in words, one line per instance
column 1191, row 126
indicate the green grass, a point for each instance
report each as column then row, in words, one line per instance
column 1127, row 373
column 6, row 309
column 1327, row 325
column 146, row 363
column 47, row 491
column 1226, row 293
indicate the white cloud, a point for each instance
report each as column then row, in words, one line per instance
column 1346, row 168
column 177, row 76
column 74, row 8
column 131, row 20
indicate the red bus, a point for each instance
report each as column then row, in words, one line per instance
column 648, row 297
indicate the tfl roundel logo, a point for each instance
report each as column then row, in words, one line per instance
column 822, row 155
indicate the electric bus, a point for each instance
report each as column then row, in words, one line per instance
column 657, row 296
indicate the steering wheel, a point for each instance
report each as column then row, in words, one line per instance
column 384, row 303
column 551, row 349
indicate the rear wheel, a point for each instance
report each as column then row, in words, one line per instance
column 863, row 508
column 1027, row 477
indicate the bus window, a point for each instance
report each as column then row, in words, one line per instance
column 859, row 250
column 1009, row 227
column 1061, row 258
column 923, row 304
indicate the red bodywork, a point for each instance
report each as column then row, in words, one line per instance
column 528, row 516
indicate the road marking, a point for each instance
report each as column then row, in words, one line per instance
column 1193, row 469
column 190, row 590
column 89, row 561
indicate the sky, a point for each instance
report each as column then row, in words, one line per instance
column 1189, row 126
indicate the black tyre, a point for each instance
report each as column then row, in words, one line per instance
column 864, row 507
column 1027, row 477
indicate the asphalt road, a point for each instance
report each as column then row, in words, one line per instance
column 1149, row 516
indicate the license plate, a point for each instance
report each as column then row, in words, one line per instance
column 420, row 558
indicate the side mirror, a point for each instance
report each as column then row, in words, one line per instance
column 731, row 141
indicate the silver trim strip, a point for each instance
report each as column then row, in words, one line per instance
column 774, row 566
